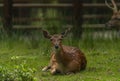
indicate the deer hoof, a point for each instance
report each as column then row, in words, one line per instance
column 45, row 69
column 53, row 72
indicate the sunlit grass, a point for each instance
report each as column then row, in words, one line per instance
column 102, row 55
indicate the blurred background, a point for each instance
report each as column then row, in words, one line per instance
column 87, row 17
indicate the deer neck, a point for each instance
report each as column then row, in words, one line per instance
column 59, row 53
column 61, row 56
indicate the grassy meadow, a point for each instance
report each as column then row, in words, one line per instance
column 103, row 56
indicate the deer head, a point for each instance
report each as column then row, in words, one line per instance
column 55, row 39
column 64, row 59
column 115, row 19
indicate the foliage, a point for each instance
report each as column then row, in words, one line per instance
column 18, row 73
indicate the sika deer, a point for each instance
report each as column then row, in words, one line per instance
column 64, row 59
column 115, row 19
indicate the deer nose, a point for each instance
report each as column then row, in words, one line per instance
column 56, row 46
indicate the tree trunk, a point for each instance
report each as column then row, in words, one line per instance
column 7, row 21
column 78, row 18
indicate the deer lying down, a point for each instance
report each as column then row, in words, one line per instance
column 64, row 59
column 115, row 19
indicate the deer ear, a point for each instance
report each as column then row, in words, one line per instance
column 46, row 34
column 63, row 34
column 66, row 31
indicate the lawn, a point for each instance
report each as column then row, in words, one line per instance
column 103, row 56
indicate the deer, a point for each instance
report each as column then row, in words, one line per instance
column 115, row 19
column 64, row 59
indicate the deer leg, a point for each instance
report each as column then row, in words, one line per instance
column 46, row 68
column 53, row 71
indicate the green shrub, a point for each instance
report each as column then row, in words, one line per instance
column 18, row 73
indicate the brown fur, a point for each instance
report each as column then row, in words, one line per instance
column 64, row 59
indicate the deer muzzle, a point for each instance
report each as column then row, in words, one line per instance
column 56, row 46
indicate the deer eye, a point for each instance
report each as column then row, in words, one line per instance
column 51, row 39
column 60, row 39
column 62, row 36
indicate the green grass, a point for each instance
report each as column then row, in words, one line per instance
column 103, row 58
